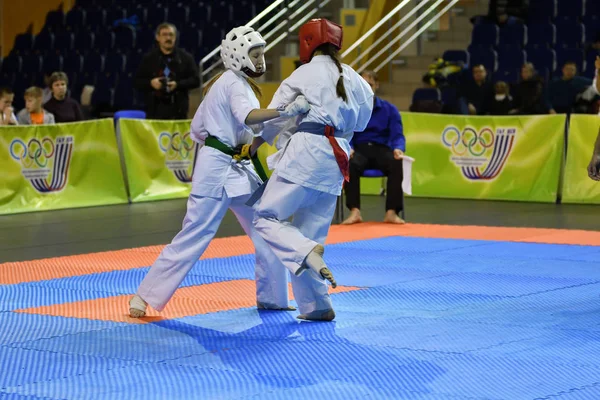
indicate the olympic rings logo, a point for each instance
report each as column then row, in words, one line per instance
column 35, row 152
column 469, row 140
column 176, row 145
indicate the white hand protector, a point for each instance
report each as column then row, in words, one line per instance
column 297, row 107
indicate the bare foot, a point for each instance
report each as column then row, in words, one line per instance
column 353, row 218
column 392, row 218
column 137, row 307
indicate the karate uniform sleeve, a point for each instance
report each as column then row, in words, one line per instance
column 364, row 97
column 285, row 94
column 239, row 102
column 595, row 84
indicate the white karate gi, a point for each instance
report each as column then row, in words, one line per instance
column 218, row 183
column 307, row 179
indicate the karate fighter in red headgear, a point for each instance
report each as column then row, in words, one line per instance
column 312, row 162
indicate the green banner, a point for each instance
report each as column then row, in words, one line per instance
column 159, row 158
column 49, row 167
column 577, row 186
column 493, row 158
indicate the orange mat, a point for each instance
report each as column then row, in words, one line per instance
column 60, row 267
column 192, row 300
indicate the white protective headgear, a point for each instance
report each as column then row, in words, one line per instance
column 235, row 48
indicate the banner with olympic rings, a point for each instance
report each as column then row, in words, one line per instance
column 48, row 167
column 577, row 185
column 493, row 158
column 159, row 158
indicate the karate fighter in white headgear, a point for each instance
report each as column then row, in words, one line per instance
column 312, row 163
column 224, row 177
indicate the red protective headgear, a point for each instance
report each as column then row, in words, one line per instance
column 315, row 33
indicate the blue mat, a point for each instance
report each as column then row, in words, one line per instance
column 434, row 319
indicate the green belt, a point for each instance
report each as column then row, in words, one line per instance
column 215, row 143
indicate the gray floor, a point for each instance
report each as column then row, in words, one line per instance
column 58, row 233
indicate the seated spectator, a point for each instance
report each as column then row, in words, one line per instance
column 7, row 115
column 502, row 102
column 563, row 91
column 33, row 113
column 530, row 94
column 475, row 94
column 65, row 109
column 381, row 145
column 508, row 11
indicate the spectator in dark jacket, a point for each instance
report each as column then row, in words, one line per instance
column 475, row 94
column 563, row 91
column 166, row 74
column 65, row 109
column 530, row 94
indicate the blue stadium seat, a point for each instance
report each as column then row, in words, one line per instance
column 133, row 60
column 144, row 39
column 200, row 12
column 592, row 27
column 75, row 19
column 590, row 68
column 93, row 62
column 221, row 11
column 513, row 34
column 179, row 14
column 457, row 56
column 571, row 8
column 564, row 55
column 73, row 63
column 12, row 64
column 55, row 21
column 31, row 64
column 511, row 58
column 592, row 7
column 124, row 92
column 114, row 14
column 104, row 41
column 542, row 10
column 95, row 19
column 23, row 43
column 544, row 60
column 485, row 35
column 53, row 62
column 426, row 94
column 64, row 41
column 156, row 15
column 570, row 34
column 44, row 41
column 84, row 40
column 114, row 63
column 124, row 37
column 541, row 35
column 242, row 12
column 190, row 38
column 485, row 56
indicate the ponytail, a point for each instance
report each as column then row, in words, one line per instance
column 255, row 88
column 330, row 50
column 210, row 83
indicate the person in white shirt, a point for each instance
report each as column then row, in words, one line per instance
column 312, row 163
column 224, row 178
column 7, row 114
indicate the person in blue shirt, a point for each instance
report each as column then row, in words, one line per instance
column 380, row 146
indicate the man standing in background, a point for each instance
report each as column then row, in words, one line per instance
column 166, row 74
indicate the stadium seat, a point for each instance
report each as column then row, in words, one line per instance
column 485, row 56
column 541, row 35
column 570, row 34
column 571, row 8
column 485, row 35
column 544, row 60
column 75, row 19
column 114, row 63
column 457, row 56
column 542, row 11
column 513, row 34
column 574, row 55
